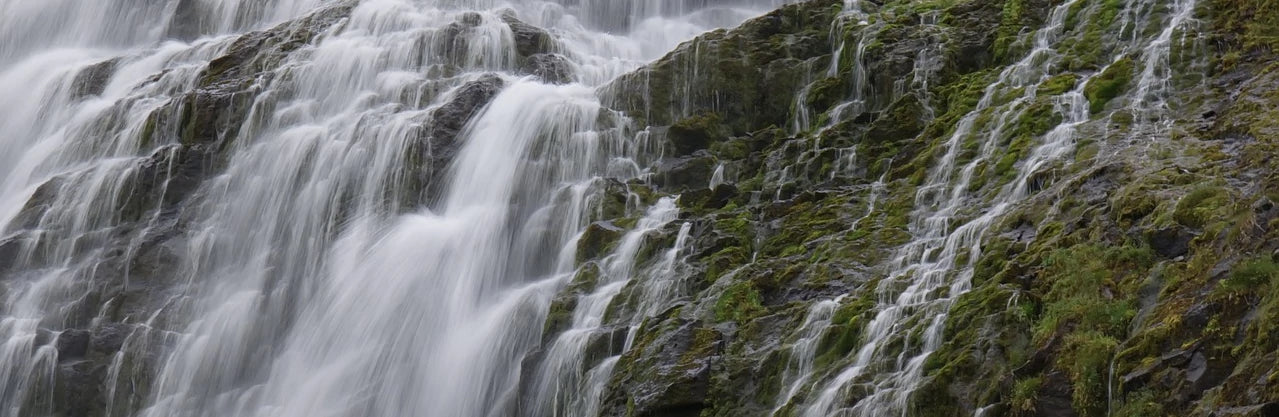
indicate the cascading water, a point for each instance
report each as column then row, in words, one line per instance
column 304, row 279
column 376, row 207
column 568, row 384
column 936, row 267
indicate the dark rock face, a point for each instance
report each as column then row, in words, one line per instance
column 78, row 388
column 669, row 374
column 1171, row 242
column 749, row 75
column 436, row 142
column 73, row 344
column 198, row 126
column 550, row 68
column 692, row 172
column 696, row 133
column 187, row 23
column 449, row 119
column 213, row 113
column 529, row 40
column 109, row 338
column 93, row 80
column 1055, row 397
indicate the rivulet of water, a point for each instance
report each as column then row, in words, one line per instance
column 304, row 276
column 936, row 267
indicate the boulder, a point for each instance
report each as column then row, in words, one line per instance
column 550, row 68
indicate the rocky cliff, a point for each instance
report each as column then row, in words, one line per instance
column 899, row 207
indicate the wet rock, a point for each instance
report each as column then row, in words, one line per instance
column 696, row 133
column 72, row 344
column 971, row 49
column 450, row 39
column 709, row 199
column 92, row 80
column 667, row 372
column 899, row 123
column 77, row 389
column 1054, row 397
column 45, row 196
column 109, row 338
column 1170, row 242
column 529, row 40
column 10, row 247
column 436, row 142
column 214, row 112
column 447, row 121
column 597, row 239
column 550, row 68
column 605, row 344
column 614, row 198
column 187, row 22
column 691, row 172
column 1262, row 410
column 1024, row 233
column 747, row 74
column 559, row 317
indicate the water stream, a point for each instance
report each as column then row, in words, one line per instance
column 307, row 281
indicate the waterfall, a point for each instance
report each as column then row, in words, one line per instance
column 932, row 271
column 439, row 208
column 356, row 248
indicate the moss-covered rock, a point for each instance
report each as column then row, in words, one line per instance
column 1110, row 84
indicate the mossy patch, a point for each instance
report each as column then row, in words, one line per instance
column 1200, row 206
column 739, row 302
column 1109, row 84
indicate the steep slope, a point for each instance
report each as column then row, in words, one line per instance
column 1066, row 215
column 838, row 208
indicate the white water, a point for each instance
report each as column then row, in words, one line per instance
column 303, row 283
column 928, row 274
column 1154, row 82
column 308, row 286
column 567, row 384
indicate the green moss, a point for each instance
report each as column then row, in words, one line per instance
column 698, row 132
column 1246, row 25
column 1089, row 47
column 1254, row 275
column 732, row 150
column 826, row 92
column 1134, row 203
column 597, row 240
column 1109, row 84
column 805, row 222
column 1010, row 27
column 1025, row 395
column 1201, row 205
column 1016, row 151
column 1144, row 403
column 724, row 261
column 847, row 325
column 704, row 345
column 1079, row 277
column 1038, row 118
column 1058, row 84
column 739, row 302
column 1086, row 358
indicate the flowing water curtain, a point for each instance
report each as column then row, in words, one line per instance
column 253, row 279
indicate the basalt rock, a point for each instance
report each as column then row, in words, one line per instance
column 667, row 373
column 529, row 40
column 437, row 139
column 92, row 80
column 550, row 68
